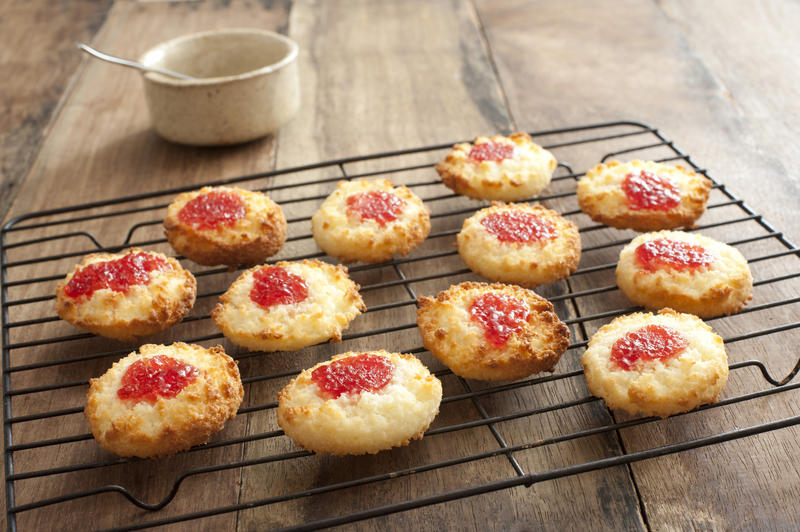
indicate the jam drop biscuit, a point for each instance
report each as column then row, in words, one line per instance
column 288, row 306
column 684, row 271
column 498, row 168
column 492, row 332
column 163, row 399
column 125, row 296
column 359, row 403
column 657, row 365
column 643, row 195
column 520, row 244
column 223, row 225
column 370, row 221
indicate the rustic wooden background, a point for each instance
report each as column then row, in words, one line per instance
column 721, row 78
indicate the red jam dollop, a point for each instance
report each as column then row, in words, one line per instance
column 491, row 151
column 674, row 254
column 648, row 191
column 117, row 275
column 499, row 315
column 274, row 285
column 653, row 342
column 383, row 207
column 356, row 374
column 209, row 211
column 516, row 226
column 147, row 379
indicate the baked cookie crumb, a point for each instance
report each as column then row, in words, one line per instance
column 360, row 403
column 643, row 195
column 492, row 332
column 656, row 365
column 519, row 243
column 225, row 225
column 163, row 399
column 684, row 271
column 288, row 306
column 125, row 296
column 502, row 168
column 370, row 221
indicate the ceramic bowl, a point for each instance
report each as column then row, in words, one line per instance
column 247, row 86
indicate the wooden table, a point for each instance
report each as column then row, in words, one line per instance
column 719, row 78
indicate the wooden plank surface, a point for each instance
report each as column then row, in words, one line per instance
column 681, row 64
column 100, row 147
column 389, row 75
column 685, row 67
column 439, row 73
column 36, row 48
column 39, row 70
column 118, row 153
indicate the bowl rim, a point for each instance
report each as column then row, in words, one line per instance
column 266, row 69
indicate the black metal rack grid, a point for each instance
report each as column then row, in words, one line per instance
column 46, row 363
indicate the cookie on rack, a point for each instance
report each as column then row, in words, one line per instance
column 360, row 403
column 163, row 399
column 501, row 168
column 370, row 221
column 492, row 332
column 125, row 296
column 684, row 271
column 656, row 365
column 288, row 306
column 519, row 243
column 643, row 195
column 225, row 225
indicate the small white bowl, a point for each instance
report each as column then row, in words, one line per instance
column 247, row 86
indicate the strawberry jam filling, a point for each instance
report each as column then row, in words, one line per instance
column 673, row 254
column 356, row 374
column 491, row 151
column 516, row 226
column 383, row 207
column 209, row 211
column 273, row 285
column 653, row 342
column 117, row 275
column 147, row 379
column 648, row 191
column 499, row 315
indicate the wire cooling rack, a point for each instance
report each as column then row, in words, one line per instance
column 487, row 437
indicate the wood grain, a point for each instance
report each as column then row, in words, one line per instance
column 669, row 72
column 365, row 80
column 100, row 146
column 382, row 75
column 576, row 63
column 750, row 49
column 36, row 45
column 118, row 154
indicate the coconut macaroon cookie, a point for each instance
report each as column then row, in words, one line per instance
column 370, row 221
column 125, row 296
column 359, row 403
column 225, row 225
column 498, row 168
column 519, row 243
column 163, row 399
column 288, row 306
column 643, row 195
column 492, row 332
column 657, row 365
column 684, row 271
